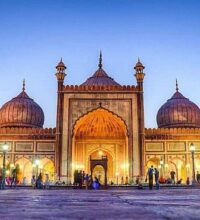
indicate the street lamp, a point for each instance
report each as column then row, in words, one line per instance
column 5, row 148
column 161, row 165
column 192, row 150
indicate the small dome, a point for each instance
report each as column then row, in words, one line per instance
column 61, row 65
column 139, row 65
column 21, row 111
column 100, row 77
column 178, row 112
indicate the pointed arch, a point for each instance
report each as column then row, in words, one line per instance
column 100, row 123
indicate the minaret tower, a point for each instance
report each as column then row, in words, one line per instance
column 139, row 74
column 60, row 75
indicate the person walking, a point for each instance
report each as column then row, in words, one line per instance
column 156, row 178
column 150, row 177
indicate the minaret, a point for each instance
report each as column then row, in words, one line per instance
column 139, row 74
column 60, row 75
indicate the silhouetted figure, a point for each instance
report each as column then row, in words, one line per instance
column 179, row 181
column 172, row 174
column 39, row 182
column 188, row 181
column 156, row 178
column 198, row 177
column 150, row 177
column 96, row 183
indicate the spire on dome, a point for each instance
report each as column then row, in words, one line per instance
column 100, row 60
column 177, row 85
column 23, row 87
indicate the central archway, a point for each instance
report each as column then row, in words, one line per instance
column 101, row 133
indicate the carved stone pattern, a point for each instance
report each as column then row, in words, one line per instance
column 45, row 147
column 154, row 147
column 179, row 146
column 24, row 147
column 81, row 107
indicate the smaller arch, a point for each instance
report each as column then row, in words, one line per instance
column 25, row 169
column 47, row 167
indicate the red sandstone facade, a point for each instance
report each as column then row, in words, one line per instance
column 101, row 117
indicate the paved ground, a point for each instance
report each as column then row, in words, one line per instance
column 111, row 204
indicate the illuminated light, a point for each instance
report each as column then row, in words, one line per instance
column 188, row 165
column 41, row 167
column 117, row 173
column 161, row 162
column 123, row 166
column 37, row 162
column 166, row 165
column 192, row 147
column 21, row 166
column 33, row 165
column 100, row 153
column 7, row 172
column 179, row 166
column 5, row 147
column 159, row 166
column 12, row 165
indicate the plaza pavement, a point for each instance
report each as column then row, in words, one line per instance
column 58, row 204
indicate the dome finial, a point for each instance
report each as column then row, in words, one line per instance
column 100, row 60
column 177, row 85
column 23, row 86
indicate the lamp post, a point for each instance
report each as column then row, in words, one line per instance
column 5, row 148
column 192, row 150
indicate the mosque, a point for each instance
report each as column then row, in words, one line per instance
column 100, row 129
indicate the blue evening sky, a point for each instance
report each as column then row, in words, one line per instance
column 35, row 34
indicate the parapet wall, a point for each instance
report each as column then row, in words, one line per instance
column 27, row 133
column 172, row 133
column 82, row 88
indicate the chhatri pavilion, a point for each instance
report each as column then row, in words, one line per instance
column 100, row 129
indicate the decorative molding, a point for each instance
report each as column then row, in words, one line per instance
column 45, row 147
column 102, row 88
column 154, row 147
column 24, row 146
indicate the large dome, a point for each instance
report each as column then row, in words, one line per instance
column 178, row 112
column 21, row 111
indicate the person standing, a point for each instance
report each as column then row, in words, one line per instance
column 33, row 182
column 172, row 174
column 156, row 178
column 150, row 177
column 198, row 177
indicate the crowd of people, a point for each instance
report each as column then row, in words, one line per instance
column 154, row 176
column 40, row 182
column 82, row 179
